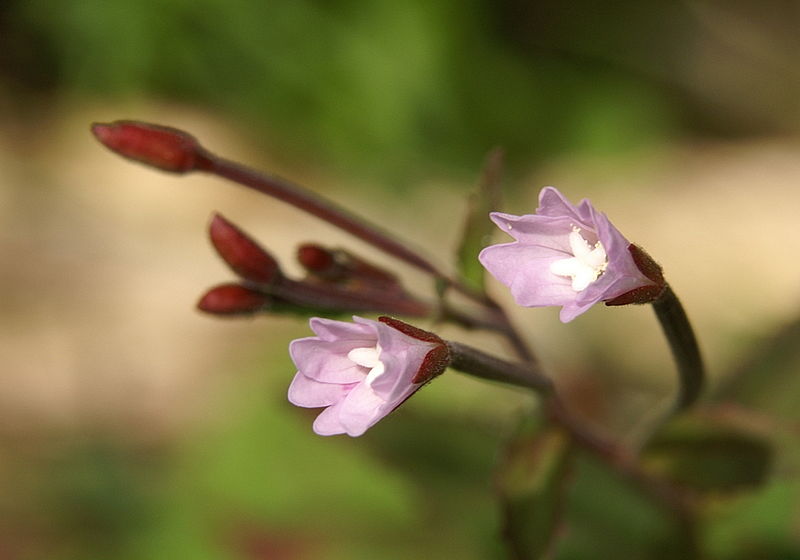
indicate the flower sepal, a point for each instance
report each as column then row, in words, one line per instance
column 436, row 360
column 643, row 294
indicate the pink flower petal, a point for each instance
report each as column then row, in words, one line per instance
column 308, row 393
column 328, row 422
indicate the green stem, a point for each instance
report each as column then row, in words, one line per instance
column 685, row 350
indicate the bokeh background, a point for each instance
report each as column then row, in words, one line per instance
column 134, row 427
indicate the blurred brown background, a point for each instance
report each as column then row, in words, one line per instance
column 132, row 426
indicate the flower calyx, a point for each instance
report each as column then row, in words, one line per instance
column 642, row 294
column 436, row 360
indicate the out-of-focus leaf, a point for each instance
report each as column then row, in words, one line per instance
column 768, row 379
column 478, row 227
column 610, row 517
column 758, row 525
column 709, row 456
column 531, row 483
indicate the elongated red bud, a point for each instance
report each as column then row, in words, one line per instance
column 338, row 265
column 162, row 147
column 318, row 261
column 245, row 257
column 233, row 299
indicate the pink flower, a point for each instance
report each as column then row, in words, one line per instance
column 361, row 371
column 564, row 255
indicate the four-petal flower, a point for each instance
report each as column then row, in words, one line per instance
column 359, row 371
column 564, row 255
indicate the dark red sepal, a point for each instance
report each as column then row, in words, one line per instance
column 233, row 299
column 245, row 257
column 652, row 270
column 434, row 363
column 647, row 265
column 436, row 360
column 410, row 330
column 644, row 294
column 162, row 147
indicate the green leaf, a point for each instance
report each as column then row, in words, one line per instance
column 757, row 525
column 478, row 227
column 531, row 483
column 709, row 455
column 610, row 516
column 767, row 379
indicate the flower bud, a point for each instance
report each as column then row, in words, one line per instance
column 245, row 257
column 338, row 265
column 233, row 299
column 162, row 147
column 319, row 261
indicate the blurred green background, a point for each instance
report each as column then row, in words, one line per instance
column 132, row 427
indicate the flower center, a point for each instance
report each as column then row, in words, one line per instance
column 368, row 358
column 587, row 264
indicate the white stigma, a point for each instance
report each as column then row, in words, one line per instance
column 587, row 264
column 368, row 358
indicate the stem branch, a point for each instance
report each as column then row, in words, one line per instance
column 299, row 197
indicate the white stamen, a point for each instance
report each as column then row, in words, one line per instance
column 368, row 358
column 587, row 264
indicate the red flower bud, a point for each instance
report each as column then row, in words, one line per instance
column 245, row 257
column 233, row 299
column 652, row 270
column 338, row 265
column 165, row 148
column 317, row 260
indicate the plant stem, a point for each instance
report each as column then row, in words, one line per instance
column 684, row 347
column 475, row 362
column 299, row 197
